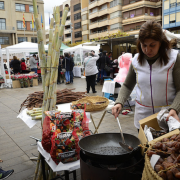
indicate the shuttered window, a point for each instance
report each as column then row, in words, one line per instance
column 84, row 27
column 85, row 37
column 166, row 5
column 166, row 19
column 115, row 26
column 84, row 17
column 115, row 14
column 178, row 17
column 172, row 17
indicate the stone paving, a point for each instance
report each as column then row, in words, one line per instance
column 15, row 148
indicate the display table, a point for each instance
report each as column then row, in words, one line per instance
column 77, row 71
column 16, row 83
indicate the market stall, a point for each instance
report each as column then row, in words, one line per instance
column 81, row 52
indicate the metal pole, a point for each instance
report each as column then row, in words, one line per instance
column 71, row 31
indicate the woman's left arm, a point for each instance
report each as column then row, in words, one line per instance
column 174, row 109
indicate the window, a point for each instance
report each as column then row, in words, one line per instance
column 4, row 40
column 85, row 37
column 84, row 27
column 84, row 17
column 31, row 26
column 77, row 16
column 78, row 34
column 2, row 24
column 115, row 26
column 60, row 13
column 22, row 39
column 138, row 27
column 115, row 14
column 172, row 5
column 34, row 39
column 94, row 10
column 20, row 7
column 1, row 5
column 77, row 7
column 20, row 25
column 31, row 9
column 77, row 25
column 103, row 7
column 113, row 3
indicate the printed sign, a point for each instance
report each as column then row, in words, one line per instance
column 67, row 154
column 64, row 135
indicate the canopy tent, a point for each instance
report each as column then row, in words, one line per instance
column 80, row 52
column 23, row 47
column 169, row 36
column 63, row 47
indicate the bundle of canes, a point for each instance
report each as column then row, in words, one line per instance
column 49, row 69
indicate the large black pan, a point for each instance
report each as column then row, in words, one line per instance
column 105, row 147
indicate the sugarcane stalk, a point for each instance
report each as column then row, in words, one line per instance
column 39, row 117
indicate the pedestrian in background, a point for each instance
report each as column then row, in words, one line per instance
column 33, row 63
column 15, row 64
column 103, row 61
column 91, row 70
column 99, row 72
column 71, row 67
column 66, row 64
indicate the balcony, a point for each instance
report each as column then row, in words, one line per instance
column 132, row 32
column 67, row 31
column 115, row 20
column 67, row 22
column 85, row 22
column 114, row 9
column 99, row 13
column 99, row 23
column 98, row 3
column 140, row 18
column 67, row 39
column 140, row 4
column 8, row 29
column 98, row 34
column 85, row 32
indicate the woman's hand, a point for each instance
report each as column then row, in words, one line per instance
column 173, row 113
column 116, row 110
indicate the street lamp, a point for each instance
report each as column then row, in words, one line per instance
column 71, row 30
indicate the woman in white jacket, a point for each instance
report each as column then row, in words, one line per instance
column 91, row 70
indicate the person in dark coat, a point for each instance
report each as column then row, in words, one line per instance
column 99, row 72
column 66, row 64
column 16, row 65
column 102, row 62
column 71, row 67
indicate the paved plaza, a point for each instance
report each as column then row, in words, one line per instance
column 15, row 148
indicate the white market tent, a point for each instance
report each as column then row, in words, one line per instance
column 23, row 47
column 81, row 52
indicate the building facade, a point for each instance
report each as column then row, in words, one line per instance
column 73, row 28
column 11, row 21
column 137, row 12
column 171, row 15
column 101, row 18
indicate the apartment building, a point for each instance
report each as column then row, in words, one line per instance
column 104, row 18
column 171, row 15
column 73, row 29
column 137, row 12
column 11, row 21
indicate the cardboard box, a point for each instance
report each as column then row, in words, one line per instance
column 7, row 76
column 151, row 121
column 16, row 83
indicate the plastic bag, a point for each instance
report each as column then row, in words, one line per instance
column 46, row 136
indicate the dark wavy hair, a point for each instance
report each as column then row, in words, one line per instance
column 153, row 30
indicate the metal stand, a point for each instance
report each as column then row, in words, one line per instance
column 97, row 127
column 66, row 175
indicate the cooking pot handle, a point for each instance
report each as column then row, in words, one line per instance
column 86, row 131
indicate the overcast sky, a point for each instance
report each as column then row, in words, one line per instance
column 48, row 8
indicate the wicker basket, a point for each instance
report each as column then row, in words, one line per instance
column 148, row 172
column 91, row 103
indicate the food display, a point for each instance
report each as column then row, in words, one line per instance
column 35, row 100
column 62, row 132
column 168, row 165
